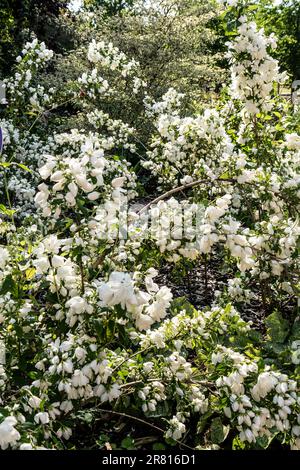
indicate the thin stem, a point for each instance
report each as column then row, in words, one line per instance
column 125, row 415
column 81, row 275
column 48, row 111
column 8, row 198
column 205, row 271
column 130, row 357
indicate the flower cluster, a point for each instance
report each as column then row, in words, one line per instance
column 253, row 70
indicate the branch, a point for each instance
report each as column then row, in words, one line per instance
column 181, row 188
column 125, row 415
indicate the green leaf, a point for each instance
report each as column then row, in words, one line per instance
column 295, row 333
column 263, row 442
column 237, row 444
column 277, row 327
column 4, row 210
column 110, row 329
column 158, row 446
column 30, row 273
column 162, row 409
column 86, row 417
column 202, row 422
column 24, row 167
column 218, row 431
column 98, row 325
column 127, row 443
column 180, row 303
column 9, row 285
column 32, row 375
column 252, row 7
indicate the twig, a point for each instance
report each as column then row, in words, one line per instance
column 125, row 415
column 8, row 198
column 130, row 357
column 49, row 111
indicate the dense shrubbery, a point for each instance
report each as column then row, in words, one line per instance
column 85, row 328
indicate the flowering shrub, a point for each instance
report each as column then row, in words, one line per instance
column 85, row 323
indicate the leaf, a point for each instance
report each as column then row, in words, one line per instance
column 218, row 431
column 98, row 325
column 162, row 409
column 110, row 330
column 6, row 211
column 127, row 443
column 24, row 167
column 202, row 422
column 32, row 375
column 263, row 442
column 30, row 273
column 9, row 285
column 86, row 417
column 180, row 303
column 158, row 446
column 295, row 333
column 277, row 327
column 237, row 444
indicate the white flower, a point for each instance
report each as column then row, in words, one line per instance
column 266, row 381
column 77, row 305
column 213, row 213
column 157, row 339
column 118, row 290
column 42, row 417
column 26, row 446
column 148, row 366
column 292, row 141
column 79, row 379
column 4, row 257
column 93, row 196
column 66, row 406
column 247, row 176
column 118, row 182
column 34, row 402
column 143, row 322
column 176, row 430
column 216, row 358
column 41, row 264
column 8, row 434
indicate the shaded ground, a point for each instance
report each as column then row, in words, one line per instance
column 200, row 284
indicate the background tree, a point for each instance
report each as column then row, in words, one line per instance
column 174, row 42
column 20, row 18
column 281, row 18
column 284, row 20
column 111, row 7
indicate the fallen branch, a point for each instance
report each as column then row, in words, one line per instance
column 183, row 187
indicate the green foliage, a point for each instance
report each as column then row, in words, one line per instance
column 218, row 431
column 174, row 47
column 278, row 327
column 111, row 7
column 283, row 19
column 280, row 18
column 18, row 20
